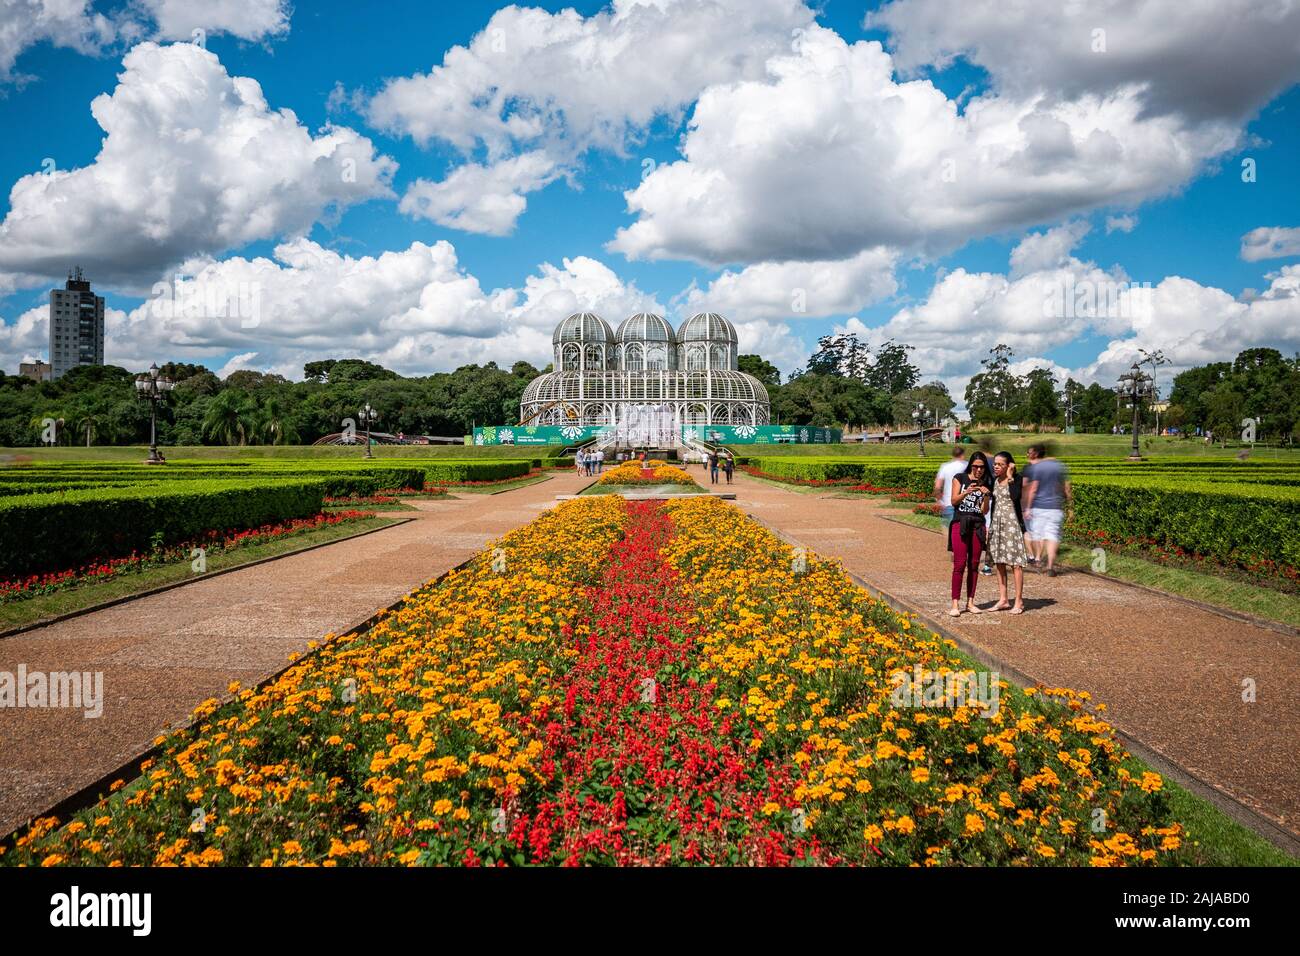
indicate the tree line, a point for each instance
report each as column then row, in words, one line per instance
column 1259, row 384
column 845, row 383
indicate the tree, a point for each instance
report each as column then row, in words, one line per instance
column 992, row 393
column 229, row 418
column 934, row 397
column 1040, row 405
column 272, row 424
column 88, row 425
column 1072, row 397
column 760, row 368
column 892, row 372
column 841, row 355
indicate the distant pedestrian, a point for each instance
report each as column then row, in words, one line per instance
column 713, row 467
column 943, row 484
column 579, row 462
column 967, row 535
column 729, row 467
column 1007, row 531
column 1048, row 495
column 600, row 460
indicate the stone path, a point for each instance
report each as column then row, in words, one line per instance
column 1170, row 674
column 162, row 655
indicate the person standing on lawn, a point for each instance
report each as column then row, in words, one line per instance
column 943, row 484
column 967, row 535
column 1048, row 495
column 1007, row 530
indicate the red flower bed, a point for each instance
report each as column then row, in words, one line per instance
column 869, row 488
column 637, row 735
column 22, row 588
column 1269, row 573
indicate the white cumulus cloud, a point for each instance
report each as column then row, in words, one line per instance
column 193, row 161
column 415, row 310
column 482, row 199
column 1270, row 242
column 831, row 154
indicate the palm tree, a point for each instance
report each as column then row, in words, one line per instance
column 229, row 417
column 42, row 422
column 272, row 426
column 89, row 424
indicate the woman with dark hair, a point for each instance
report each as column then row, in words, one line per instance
column 966, row 534
column 1007, row 530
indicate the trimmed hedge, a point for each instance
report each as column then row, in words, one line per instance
column 45, row 532
column 1232, row 523
column 910, row 476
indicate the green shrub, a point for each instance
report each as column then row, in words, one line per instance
column 50, row 531
column 1232, row 523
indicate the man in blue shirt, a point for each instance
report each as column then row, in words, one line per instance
column 1048, row 494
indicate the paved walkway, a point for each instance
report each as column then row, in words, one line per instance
column 164, row 654
column 1171, row 674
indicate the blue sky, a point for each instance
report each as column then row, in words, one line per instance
column 1187, row 220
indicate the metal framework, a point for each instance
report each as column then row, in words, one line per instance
column 608, row 378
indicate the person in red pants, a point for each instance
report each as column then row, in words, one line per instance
column 966, row 534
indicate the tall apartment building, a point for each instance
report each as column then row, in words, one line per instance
column 76, row 325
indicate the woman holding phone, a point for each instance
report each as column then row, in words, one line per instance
column 966, row 534
column 1007, row 531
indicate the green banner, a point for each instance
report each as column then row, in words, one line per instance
column 564, row 435
column 764, row 434
column 535, row 434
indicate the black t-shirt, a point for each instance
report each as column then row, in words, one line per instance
column 974, row 502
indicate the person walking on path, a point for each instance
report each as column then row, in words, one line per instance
column 713, row 467
column 1007, row 531
column 580, row 462
column 966, row 534
column 943, row 484
column 729, row 466
column 1048, row 494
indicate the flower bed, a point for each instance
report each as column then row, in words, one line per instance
column 20, row 589
column 629, row 683
column 633, row 473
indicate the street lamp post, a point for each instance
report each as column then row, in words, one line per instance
column 368, row 416
column 153, row 388
column 1135, row 384
column 918, row 416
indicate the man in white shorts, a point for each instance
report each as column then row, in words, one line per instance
column 943, row 484
column 1048, row 493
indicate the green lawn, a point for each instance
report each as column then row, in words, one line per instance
column 507, row 485
column 376, row 505
column 222, row 452
column 1222, row 592
column 46, row 606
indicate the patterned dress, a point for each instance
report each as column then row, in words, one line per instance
column 1006, row 540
